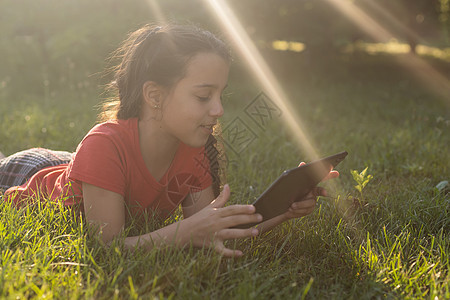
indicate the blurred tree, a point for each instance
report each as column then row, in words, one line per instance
column 324, row 29
column 51, row 45
column 413, row 21
column 315, row 23
column 58, row 44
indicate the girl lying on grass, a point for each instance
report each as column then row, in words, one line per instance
column 154, row 151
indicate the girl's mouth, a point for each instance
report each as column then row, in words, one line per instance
column 208, row 128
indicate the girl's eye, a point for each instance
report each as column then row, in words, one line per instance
column 203, row 98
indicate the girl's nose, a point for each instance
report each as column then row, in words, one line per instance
column 217, row 108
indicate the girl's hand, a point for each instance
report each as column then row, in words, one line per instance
column 306, row 205
column 211, row 226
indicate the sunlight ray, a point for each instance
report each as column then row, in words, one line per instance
column 262, row 72
column 156, row 11
column 424, row 72
column 367, row 23
column 388, row 16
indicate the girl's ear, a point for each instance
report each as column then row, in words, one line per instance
column 152, row 94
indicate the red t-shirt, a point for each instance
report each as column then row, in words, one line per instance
column 109, row 157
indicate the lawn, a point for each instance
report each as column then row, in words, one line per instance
column 389, row 240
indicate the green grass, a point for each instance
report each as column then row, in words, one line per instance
column 392, row 244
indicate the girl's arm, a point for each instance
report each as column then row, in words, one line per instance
column 208, row 227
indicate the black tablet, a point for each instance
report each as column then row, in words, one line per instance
column 293, row 185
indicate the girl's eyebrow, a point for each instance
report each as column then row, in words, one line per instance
column 207, row 85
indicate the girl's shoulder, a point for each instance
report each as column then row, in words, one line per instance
column 115, row 127
column 120, row 133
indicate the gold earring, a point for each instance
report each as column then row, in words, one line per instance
column 156, row 106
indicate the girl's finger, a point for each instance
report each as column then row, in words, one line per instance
column 235, row 220
column 331, row 175
column 237, row 209
column 303, row 208
column 306, row 204
column 228, row 234
column 220, row 248
column 301, row 212
column 318, row 191
column 222, row 198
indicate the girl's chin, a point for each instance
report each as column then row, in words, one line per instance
column 196, row 143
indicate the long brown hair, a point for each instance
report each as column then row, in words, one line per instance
column 161, row 53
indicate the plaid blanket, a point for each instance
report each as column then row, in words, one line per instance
column 18, row 168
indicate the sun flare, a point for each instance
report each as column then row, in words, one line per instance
column 262, row 72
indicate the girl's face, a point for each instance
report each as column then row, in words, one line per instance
column 192, row 107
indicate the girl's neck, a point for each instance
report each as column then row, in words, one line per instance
column 157, row 148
